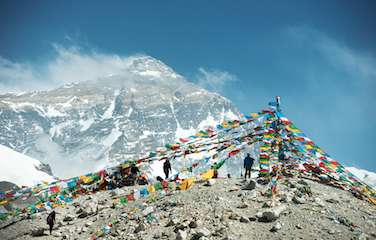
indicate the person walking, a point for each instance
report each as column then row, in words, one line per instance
column 167, row 168
column 51, row 220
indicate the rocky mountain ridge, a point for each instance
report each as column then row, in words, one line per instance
column 97, row 123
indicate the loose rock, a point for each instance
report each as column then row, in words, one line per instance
column 244, row 220
column 250, row 186
column 210, row 182
column 276, row 227
column 272, row 214
column 37, row 232
column 141, row 227
column 181, row 235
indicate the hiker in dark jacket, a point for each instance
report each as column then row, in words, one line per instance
column 248, row 163
column 167, row 168
column 51, row 220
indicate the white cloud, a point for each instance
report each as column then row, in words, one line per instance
column 73, row 64
column 69, row 65
column 15, row 76
column 336, row 86
column 214, row 80
column 364, row 175
column 336, row 52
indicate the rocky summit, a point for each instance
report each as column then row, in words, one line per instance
column 223, row 209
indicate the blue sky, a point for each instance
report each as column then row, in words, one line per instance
column 319, row 56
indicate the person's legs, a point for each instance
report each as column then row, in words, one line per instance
column 50, row 228
column 166, row 173
column 247, row 173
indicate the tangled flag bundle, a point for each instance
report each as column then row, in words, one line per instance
column 284, row 151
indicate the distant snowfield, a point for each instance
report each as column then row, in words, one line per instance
column 364, row 175
column 20, row 169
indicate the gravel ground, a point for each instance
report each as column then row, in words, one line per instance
column 302, row 210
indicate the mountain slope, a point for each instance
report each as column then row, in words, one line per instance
column 84, row 126
column 21, row 169
column 364, row 175
column 221, row 211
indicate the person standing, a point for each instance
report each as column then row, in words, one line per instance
column 278, row 101
column 51, row 220
column 248, row 163
column 167, row 168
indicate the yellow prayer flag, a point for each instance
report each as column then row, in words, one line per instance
column 151, row 189
column 208, row 175
column 187, row 183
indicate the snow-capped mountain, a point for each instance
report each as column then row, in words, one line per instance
column 84, row 126
column 364, row 175
column 21, row 169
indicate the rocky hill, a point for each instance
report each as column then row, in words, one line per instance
column 222, row 209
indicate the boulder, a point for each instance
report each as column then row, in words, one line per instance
column 193, row 224
column 234, row 216
column 272, row 214
column 68, row 218
column 180, row 226
column 250, row 186
column 244, row 219
column 83, row 214
column 276, row 227
column 252, row 219
column 172, row 222
column 210, row 182
column 181, row 235
column 37, row 232
column 88, row 224
column 298, row 200
column 141, row 227
column 202, row 232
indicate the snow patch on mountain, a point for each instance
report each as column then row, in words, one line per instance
column 52, row 112
column 108, row 113
column 57, row 129
column 208, row 122
column 183, row 133
column 86, row 124
column 364, row 175
column 112, row 137
column 21, row 169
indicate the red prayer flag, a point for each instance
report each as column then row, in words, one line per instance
column 55, row 189
column 165, row 184
column 233, row 153
column 183, row 140
column 130, row 197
